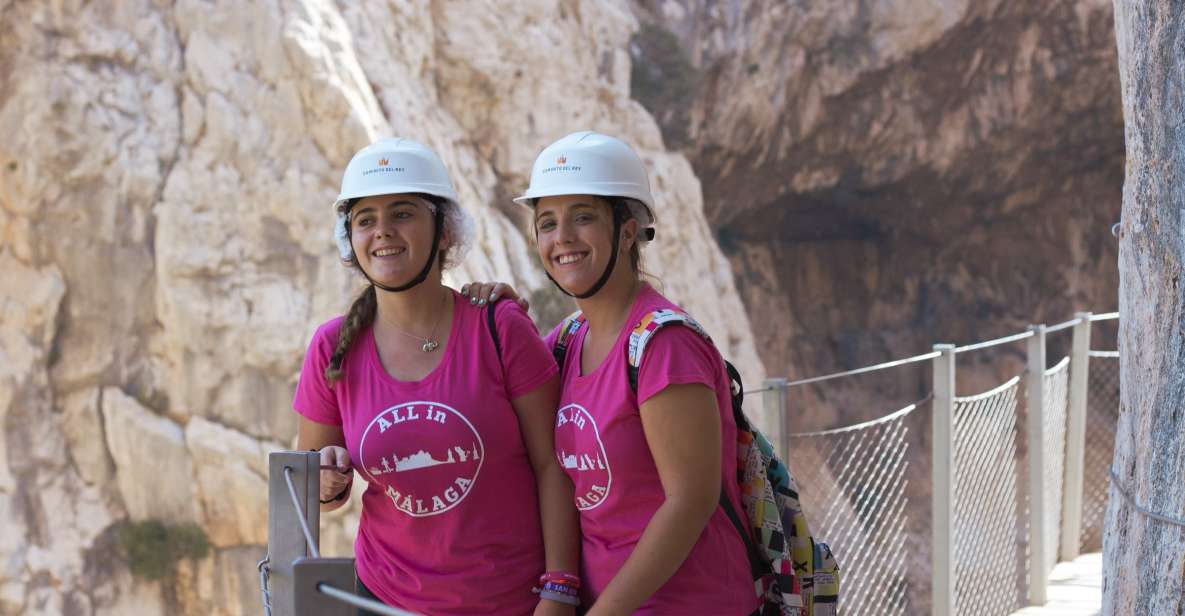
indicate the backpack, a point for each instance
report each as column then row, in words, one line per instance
column 794, row 574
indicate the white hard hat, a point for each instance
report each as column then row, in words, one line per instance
column 392, row 166
column 590, row 163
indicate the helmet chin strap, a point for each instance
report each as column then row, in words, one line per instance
column 438, row 221
column 618, row 218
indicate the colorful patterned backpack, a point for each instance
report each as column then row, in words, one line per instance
column 794, row 574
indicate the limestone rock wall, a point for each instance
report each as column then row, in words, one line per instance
column 166, row 176
column 886, row 175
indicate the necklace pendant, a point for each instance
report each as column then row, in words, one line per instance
column 429, row 346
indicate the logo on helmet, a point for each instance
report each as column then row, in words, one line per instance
column 384, row 166
column 561, row 164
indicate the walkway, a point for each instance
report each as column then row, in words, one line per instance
column 1075, row 589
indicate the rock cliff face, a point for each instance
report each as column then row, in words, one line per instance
column 876, row 176
column 886, row 175
column 165, row 246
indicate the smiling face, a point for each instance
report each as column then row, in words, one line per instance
column 575, row 240
column 392, row 237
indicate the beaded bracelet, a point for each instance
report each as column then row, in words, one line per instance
column 561, row 577
column 561, row 598
column 559, row 586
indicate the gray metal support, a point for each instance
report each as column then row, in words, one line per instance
column 942, row 551
column 309, row 573
column 285, row 540
column 1075, row 438
column 774, row 403
column 1038, row 575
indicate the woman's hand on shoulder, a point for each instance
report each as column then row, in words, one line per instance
column 481, row 293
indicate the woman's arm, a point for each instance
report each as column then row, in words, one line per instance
column 557, row 510
column 682, row 428
column 331, row 441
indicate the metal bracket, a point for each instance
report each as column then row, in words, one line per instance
column 309, row 572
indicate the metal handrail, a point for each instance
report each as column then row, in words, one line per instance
column 888, row 364
column 992, row 343
column 927, row 356
column 1060, row 326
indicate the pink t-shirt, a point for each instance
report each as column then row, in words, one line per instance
column 450, row 516
column 601, row 445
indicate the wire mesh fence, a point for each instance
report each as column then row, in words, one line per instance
column 1102, row 414
column 854, row 488
column 989, row 533
column 1053, row 419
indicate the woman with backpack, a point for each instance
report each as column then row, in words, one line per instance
column 445, row 408
column 650, row 447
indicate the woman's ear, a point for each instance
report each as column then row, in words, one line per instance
column 629, row 234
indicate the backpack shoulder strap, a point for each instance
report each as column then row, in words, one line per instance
column 568, row 328
column 758, row 566
column 493, row 327
column 649, row 325
column 639, row 338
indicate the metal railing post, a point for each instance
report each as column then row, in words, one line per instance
column 285, row 540
column 1076, row 438
column 942, row 554
column 310, row 573
column 1038, row 576
column 774, row 403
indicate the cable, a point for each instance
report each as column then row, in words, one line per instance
column 1147, row 512
column 991, row 343
column 889, row 364
column 267, row 596
column 362, row 602
column 304, row 524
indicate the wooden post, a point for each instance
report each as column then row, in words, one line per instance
column 1038, row 575
column 1075, row 438
column 285, row 540
column 942, row 548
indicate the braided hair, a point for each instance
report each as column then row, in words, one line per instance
column 361, row 314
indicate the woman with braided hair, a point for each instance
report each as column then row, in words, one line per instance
column 445, row 408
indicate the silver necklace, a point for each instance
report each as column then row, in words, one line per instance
column 430, row 343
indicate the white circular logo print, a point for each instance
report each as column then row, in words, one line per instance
column 424, row 455
column 582, row 455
